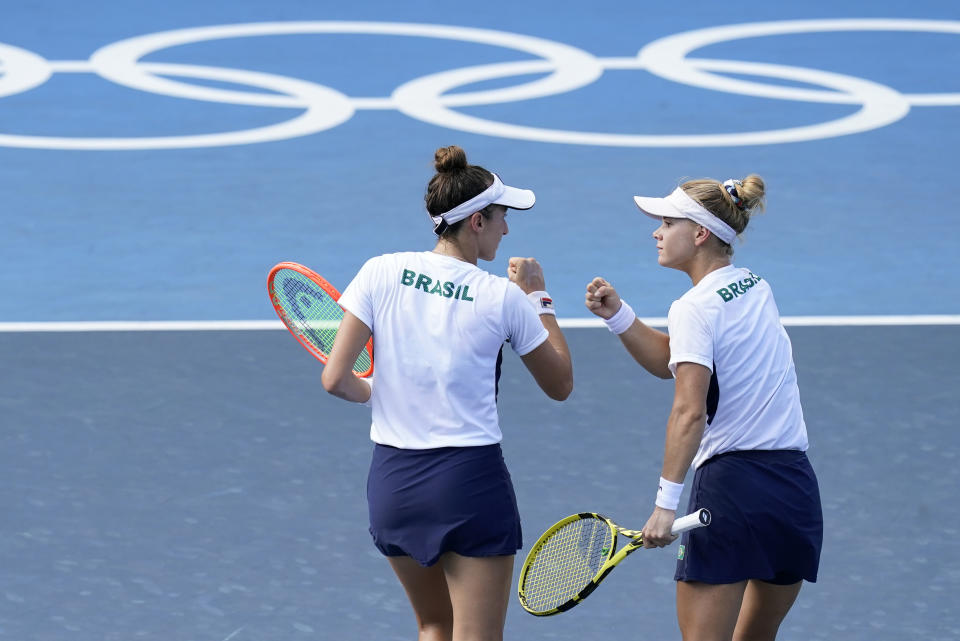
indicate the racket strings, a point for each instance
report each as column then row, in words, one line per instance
column 566, row 563
column 312, row 313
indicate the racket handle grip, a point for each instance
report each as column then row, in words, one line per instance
column 700, row 518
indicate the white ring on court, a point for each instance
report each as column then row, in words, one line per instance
column 666, row 57
column 572, row 68
column 326, row 108
column 881, row 106
column 427, row 99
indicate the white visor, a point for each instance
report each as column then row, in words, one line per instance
column 680, row 205
column 495, row 194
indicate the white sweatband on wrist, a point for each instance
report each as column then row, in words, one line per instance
column 369, row 382
column 542, row 302
column 668, row 494
column 622, row 320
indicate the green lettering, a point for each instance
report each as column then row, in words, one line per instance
column 447, row 289
column 423, row 281
column 725, row 295
column 735, row 289
column 466, row 288
column 437, row 289
column 407, row 278
column 457, row 295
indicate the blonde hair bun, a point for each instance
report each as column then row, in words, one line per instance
column 752, row 192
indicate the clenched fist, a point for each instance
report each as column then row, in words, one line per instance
column 527, row 273
column 601, row 298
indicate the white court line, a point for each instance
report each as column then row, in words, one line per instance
column 566, row 323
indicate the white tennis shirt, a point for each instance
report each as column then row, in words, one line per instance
column 729, row 322
column 438, row 326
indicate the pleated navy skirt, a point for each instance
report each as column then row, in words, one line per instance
column 450, row 499
column 767, row 520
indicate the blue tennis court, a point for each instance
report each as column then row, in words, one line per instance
column 172, row 468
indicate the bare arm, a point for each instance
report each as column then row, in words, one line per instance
column 684, row 431
column 337, row 377
column 688, row 417
column 648, row 346
column 550, row 362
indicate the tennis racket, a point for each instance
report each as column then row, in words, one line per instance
column 570, row 560
column 307, row 305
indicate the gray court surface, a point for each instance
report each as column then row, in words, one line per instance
column 203, row 487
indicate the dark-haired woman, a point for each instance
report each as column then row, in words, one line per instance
column 736, row 417
column 442, row 505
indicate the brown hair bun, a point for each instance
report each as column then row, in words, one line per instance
column 449, row 159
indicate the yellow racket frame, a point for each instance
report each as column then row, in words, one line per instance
column 613, row 557
column 699, row 518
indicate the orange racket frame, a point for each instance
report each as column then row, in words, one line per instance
column 331, row 291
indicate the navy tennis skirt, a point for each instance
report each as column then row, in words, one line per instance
column 767, row 521
column 450, row 499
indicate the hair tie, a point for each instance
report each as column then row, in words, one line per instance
column 731, row 187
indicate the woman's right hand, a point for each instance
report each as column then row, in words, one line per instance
column 527, row 273
column 601, row 298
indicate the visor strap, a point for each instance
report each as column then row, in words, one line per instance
column 699, row 214
column 485, row 198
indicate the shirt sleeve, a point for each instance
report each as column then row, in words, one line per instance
column 522, row 322
column 691, row 336
column 357, row 298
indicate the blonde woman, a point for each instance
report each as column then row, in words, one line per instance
column 736, row 418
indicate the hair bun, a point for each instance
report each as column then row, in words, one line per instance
column 752, row 191
column 449, row 159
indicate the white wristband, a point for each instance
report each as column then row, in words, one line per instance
column 542, row 302
column 622, row 320
column 369, row 382
column 668, row 494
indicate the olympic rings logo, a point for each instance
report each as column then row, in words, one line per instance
column 428, row 98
